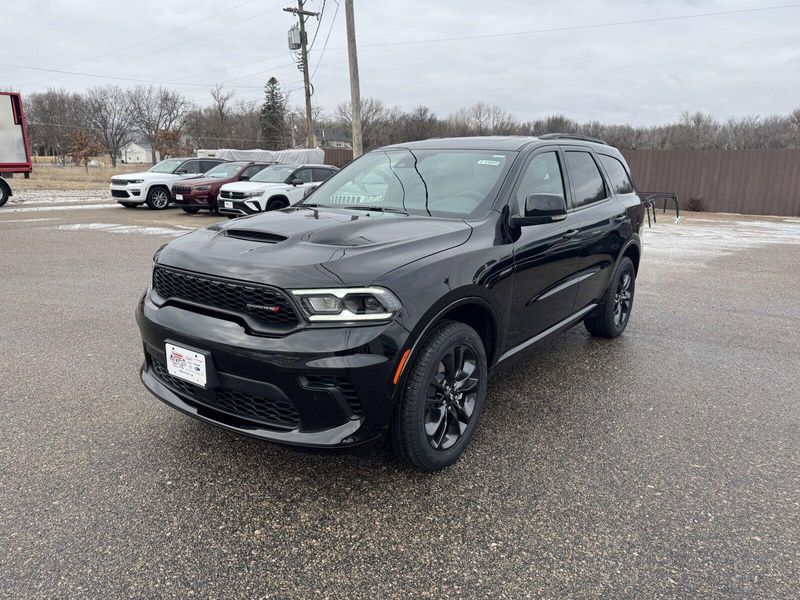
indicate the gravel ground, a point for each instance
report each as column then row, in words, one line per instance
column 662, row 464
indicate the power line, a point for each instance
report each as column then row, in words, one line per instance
column 578, row 27
column 327, row 37
column 152, row 39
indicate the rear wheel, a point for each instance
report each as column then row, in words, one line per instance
column 4, row 194
column 158, row 198
column 277, row 204
column 611, row 318
column 443, row 397
column 191, row 210
column 129, row 204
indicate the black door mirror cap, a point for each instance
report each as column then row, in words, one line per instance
column 541, row 209
column 244, row 178
column 296, row 181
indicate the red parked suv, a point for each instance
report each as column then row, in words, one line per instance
column 193, row 195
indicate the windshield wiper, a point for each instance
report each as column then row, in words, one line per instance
column 372, row 208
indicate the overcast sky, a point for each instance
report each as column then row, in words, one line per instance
column 646, row 73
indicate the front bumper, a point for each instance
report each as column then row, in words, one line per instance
column 316, row 387
column 129, row 194
column 238, row 208
column 202, row 200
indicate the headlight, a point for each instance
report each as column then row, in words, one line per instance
column 253, row 194
column 348, row 304
column 202, row 188
column 135, row 181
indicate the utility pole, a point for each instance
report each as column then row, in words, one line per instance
column 355, row 91
column 302, row 15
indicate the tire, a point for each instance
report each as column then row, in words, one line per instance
column 129, row 204
column 433, row 422
column 158, row 198
column 4, row 194
column 191, row 210
column 612, row 316
column 277, row 204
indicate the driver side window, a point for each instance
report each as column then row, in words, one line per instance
column 542, row 176
column 303, row 175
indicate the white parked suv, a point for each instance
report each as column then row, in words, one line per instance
column 153, row 187
column 277, row 186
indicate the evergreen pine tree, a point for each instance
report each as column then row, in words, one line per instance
column 273, row 117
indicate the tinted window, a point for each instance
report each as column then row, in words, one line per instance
column 321, row 174
column 542, row 176
column 190, row 166
column 252, row 170
column 206, row 165
column 303, row 175
column 587, row 183
column 618, row 177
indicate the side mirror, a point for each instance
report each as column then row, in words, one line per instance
column 540, row 209
column 310, row 189
column 244, row 178
column 296, row 181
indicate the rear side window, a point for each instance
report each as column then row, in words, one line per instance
column 252, row 170
column 207, row 165
column 587, row 183
column 321, row 174
column 618, row 177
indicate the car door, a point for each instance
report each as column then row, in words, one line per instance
column 546, row 256
column 600, row 215
column 296, row 192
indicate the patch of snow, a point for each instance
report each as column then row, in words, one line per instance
column 59, row 207
column 116, row 228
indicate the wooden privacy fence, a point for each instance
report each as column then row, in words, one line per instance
column 338, row 157
column 756, row 182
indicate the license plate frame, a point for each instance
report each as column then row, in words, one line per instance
column 187, row 364
column 227, row 204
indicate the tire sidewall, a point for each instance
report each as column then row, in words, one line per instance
column 151, row 193
column 414, row 395
column 4, row 194
column 625, row 265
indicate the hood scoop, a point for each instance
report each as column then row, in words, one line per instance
column 253, row 235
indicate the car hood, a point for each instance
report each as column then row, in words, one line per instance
column 146, row 175
column 195, row 181
column 307, row 248
column 249, row 186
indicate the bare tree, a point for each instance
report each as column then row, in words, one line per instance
column 157, row 109
column 107, row 110
column 52, row 116
column 82, row 145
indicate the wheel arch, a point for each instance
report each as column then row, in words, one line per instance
column 632, row 250
column 280, row 197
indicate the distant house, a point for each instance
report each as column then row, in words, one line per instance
column 137, row 152
column 333, row 137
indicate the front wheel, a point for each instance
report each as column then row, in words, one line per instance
column 3, row 194
column 277, row 204
column 443, row 397
column 611, row 317
column 157, row 198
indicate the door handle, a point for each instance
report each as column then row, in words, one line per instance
column 571, row 233
column 620, row 218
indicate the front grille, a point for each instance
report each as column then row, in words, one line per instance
column 264, row 304
column 232, row 195
column 334, row 383
column 119, row 194
column 265, row 411
column 119, row 182
column 182, row 189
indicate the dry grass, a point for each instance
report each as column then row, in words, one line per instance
column 70, row 177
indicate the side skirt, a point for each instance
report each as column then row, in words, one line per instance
column 540, row 336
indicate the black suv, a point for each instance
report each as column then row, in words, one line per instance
column 378, row 304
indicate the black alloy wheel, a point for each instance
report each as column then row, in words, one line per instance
column 611, row 318
column 443, row 396
column 452, row 395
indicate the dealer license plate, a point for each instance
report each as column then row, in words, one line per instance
column 178, row 196
column 228, row 204
column 186, row 364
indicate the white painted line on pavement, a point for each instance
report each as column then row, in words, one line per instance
column 51, row 208
column 30, row 220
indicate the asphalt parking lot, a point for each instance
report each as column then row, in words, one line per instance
column 665, row 463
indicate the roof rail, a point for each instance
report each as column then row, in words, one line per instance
column 571, row 136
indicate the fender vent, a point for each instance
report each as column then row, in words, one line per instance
column 255, row 236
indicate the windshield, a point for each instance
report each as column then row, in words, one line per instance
column 443, row 183
column 224, row 171
column 166, row 166
column 274, row 174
